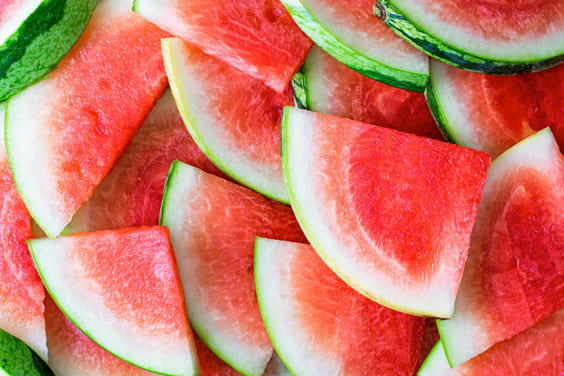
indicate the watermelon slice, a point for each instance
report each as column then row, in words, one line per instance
column 497, row 37
column 17, row 359
column 321, row 326
column 391, row 213
column 135, row 312
column 514, row 276
column 131, row 195
column 537, row 351
column 34, row 37
column 349, row 32
column 21, row 290
column 258, row 37
column 332, row 88
column 64, row 134
column 72, row 353
column 211, row 364
column 493, row 113
column 213, row 224
column 234, row 118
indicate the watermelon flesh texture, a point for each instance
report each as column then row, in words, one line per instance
column 21, row 290
column 213, row 224
column 514, row 276
column 72, row 353
column 136, row 313
column 353, row 187
column 258, row 37
column 321, row 326
column 85, row 114
column 131, row 195
column 234, row 118
column 334, row 89
column 493, row 113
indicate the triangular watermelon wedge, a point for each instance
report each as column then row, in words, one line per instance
column 321, row 326
column 514, row 276
column 391, row 213
column 121, row 288
column 65, row 133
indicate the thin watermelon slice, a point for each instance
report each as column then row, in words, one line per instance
column 514, row 276
column 121, row 288
column 64, row 134
column 321, row 326
column 234, row 118
column 333, row 89
column 258, row 37
column 17, row 359
column 537, row 351
column 131, row 195
column 72, row 353
column 34, row 36
column 21, row 290
column 391, row 213
column 493, row 113
column 349, row 32
column 496, row 37
column 213, row 224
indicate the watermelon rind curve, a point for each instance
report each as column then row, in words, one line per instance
column 437, row 111
column 39, row 41
column 16, row 358
column 435, row 364
column 414, row 80
column 520, row 58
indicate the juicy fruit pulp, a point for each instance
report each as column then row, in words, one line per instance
column 390, row 212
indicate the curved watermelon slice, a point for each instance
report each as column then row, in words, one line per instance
column 514, row 277
column 321, row 326
column 234, row 118
column 333, row 89
column 258, row 37
column 493, row 113
column 17, row 359
column 34, row 36
column 135, row 312
column 64, row 134
column 391, row 213
column 21, row 290
column 213, row 224
column 537, row 351
column 131, row 195
column 72, row 353
column 349, row 32
column 496, row 37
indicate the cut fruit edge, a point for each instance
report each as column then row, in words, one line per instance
column 436, row 363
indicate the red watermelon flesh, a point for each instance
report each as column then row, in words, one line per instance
column 131, row 195
column 334, row 89
column 258, row 37
column 85, row 114
column 21, row 290
column 7, row 8
column 71, row 352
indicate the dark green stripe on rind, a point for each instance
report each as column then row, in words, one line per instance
column 40, row 42
column 17, row 359
column 448, row 54
column 437, row 113
column 350, row 57
column 299, row 89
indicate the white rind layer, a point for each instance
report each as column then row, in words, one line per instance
column 10, row 25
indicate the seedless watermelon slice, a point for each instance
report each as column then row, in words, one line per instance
column 258, row 37
column 349, row 32
column 34, row 36
column 65, row 133
column 234, row 118
column 514, row 276
column 333, row 89
column 213, row 224
column 390, row 212
column 136, row 312
column 321, row 326
column 493, row 113
column 498, row 37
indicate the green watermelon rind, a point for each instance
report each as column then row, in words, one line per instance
column 348, row 56
column 438, row 49
column 40, row 42
column 299, row 89
column 438, row 113
column 256, row 184
column 435, row 362
column 17, row 358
